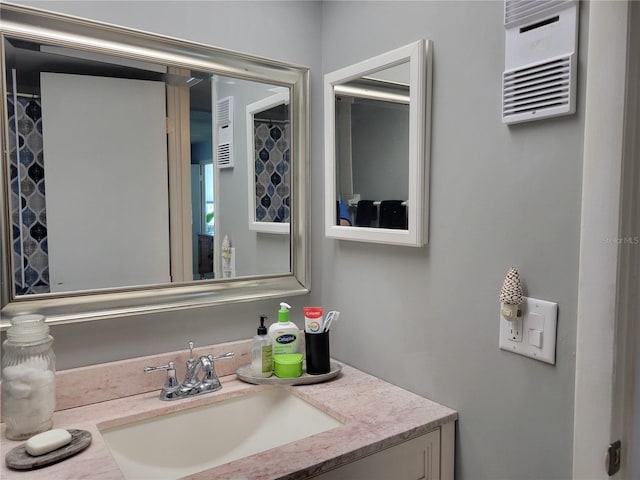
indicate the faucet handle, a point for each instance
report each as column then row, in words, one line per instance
column 168, row 366
column 210, row 381
column 220, row 357
column 171, row 383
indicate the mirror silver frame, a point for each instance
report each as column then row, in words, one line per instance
column 419, row 55
column 55, row 29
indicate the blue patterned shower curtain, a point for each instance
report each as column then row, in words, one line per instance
column 272, row 171
column 28, row 205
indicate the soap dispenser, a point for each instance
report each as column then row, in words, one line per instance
column 261, row 352
column 284, row 333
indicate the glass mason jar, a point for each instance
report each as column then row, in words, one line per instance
column 28, row 378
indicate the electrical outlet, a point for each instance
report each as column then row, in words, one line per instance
column 515, row 330
column 533, row 334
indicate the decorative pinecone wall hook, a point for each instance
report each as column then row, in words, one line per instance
column 511, row 295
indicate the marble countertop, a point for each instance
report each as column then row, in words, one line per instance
column 374, row 413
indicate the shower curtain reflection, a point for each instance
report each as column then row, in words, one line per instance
column 28, row 206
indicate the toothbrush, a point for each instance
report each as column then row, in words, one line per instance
column 331, row 316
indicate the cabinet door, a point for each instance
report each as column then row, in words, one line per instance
column 417, row 459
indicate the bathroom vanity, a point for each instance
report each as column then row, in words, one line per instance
column 378, row 431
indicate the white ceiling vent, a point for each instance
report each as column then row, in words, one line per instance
column 224, row 125
column 541, row 51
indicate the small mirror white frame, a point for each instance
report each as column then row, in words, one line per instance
column 418, row 55
column 254, row 109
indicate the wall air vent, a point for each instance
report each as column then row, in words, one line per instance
column 545, row 87
column 224, row 126
column 539, row 80
column 526, row 11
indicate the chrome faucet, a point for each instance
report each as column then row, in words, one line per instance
column 195, row 382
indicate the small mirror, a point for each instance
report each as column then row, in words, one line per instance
column 377, row 142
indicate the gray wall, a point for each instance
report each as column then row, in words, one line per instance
column 380, row 146
column 500, row 196
column 256, row 252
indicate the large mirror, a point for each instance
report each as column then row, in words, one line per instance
column 124, row 176
column 377, row 148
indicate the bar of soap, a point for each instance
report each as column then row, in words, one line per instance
column 46, row 442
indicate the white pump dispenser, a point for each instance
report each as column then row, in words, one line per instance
column 283, row 333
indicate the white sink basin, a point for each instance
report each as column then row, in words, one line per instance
column 190, row 441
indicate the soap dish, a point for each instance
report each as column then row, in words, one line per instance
column 19, row 459
column 244, row 373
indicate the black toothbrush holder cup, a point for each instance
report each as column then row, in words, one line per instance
column 317, row 353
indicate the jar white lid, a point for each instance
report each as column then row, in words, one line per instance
column 28, row 328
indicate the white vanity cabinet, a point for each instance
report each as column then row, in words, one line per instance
column 427, row 457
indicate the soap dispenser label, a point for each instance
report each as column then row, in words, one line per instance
column 286, row 338
column 267, row 359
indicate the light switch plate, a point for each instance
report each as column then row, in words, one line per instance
column 538, row 335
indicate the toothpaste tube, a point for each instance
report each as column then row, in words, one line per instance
column 313, row 319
